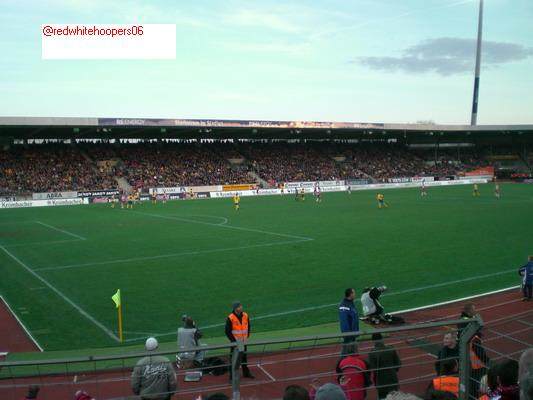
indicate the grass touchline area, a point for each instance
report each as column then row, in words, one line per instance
column 197, row 257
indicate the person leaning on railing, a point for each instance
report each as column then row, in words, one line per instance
column 448, row 350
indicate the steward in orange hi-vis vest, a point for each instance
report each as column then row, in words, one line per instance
column 447, row 384
column 238, row 330
column 239, row 327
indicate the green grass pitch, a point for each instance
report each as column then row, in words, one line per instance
column 60, row 266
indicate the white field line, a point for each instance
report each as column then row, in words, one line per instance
column 41, row 243
column 224, row 219
column 418, row 289
column 26, row 330
column 171, row 255
column 170, row 217
column 60, row 294
column 444, row 303
column 61, row 230
column 266, row 372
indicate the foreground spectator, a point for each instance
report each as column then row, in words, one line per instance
column 153, row 377
column 295, row 392
column 401, row 396
column 526, row 272
column 329, row 391
column 488, row 388
column 478, row 363
column 217, row 396
column 447, row 381
column 507, row 378
column 525, row 373
column 352, row 373
column 33, row 391
column 82, row 395
column 450, row 350
column 385, row 363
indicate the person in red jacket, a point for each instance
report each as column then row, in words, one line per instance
column 352, row 373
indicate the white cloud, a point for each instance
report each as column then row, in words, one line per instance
column 262, row 19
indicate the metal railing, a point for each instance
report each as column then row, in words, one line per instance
column 279, row 362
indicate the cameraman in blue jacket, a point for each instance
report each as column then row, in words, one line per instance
column 348, row 317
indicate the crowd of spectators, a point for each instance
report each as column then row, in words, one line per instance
column 167, row 165
column 87, row 166
column 49, row 168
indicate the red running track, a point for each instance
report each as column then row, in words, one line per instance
column 508, row 324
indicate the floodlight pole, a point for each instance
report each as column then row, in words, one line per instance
column 473, row 120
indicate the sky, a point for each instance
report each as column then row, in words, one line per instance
column 392, row 61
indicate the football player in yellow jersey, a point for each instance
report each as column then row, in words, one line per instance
column 131, row 197
column 475, row 193
column 381, row 201
column 236, row 201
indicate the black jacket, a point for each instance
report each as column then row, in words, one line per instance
column 384, row 359
column 444, row 354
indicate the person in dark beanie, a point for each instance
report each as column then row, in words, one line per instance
column 238, row 328
column 33, row 391
column 385, row 363
column 295, row 392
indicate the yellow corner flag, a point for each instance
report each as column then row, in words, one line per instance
column 118, row 304
column 116, row 298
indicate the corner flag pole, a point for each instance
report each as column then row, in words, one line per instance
column 473, row 120
column 118, row 303
column 120, row 323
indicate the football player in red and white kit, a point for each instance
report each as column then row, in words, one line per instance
column 317, row 193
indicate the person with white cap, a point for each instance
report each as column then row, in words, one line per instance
column 153, row 377
column 238, row 329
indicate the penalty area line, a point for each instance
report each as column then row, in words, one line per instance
column 171, row 255
column 61, row 230
column 61, row 295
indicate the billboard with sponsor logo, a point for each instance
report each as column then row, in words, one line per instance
column 221, row 123
column 227, row 188
column 99, row 193
column 54, row 195
column 43, row 203
column 312, row 184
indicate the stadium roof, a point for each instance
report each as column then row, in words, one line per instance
column 115, row 128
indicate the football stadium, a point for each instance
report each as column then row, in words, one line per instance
column 242, row 257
